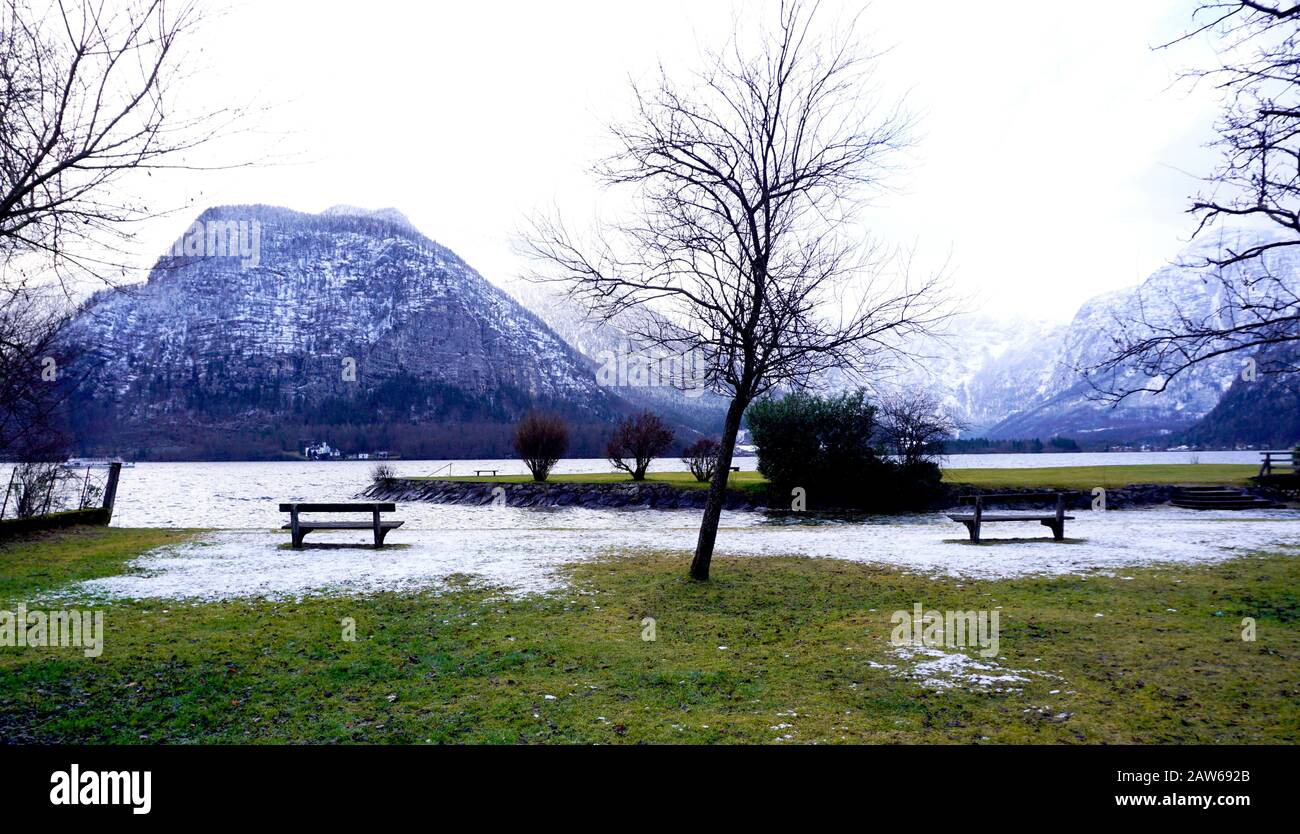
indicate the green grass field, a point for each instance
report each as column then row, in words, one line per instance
column 1087, row 477
column 1071, row 477
column 771, row 649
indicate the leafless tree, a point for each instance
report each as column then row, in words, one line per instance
column 88, row 98
column 1256, row 312
column 701, row 458
column 913, row 425
column 382, row 473
column 746, row 180
column 540, row 441
column 637, row 441
column 34, row 382
column 34, row 486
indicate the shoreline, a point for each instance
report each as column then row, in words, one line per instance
column 663, row 495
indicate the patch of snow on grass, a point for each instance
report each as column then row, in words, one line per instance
column 956, row 670
column 521, row 550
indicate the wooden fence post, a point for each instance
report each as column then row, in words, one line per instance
column 110, row 490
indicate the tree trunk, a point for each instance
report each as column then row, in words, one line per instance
column 717, row 492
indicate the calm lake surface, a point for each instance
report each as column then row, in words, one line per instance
column 244, row 495
column 524, row 549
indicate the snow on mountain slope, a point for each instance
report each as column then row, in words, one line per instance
column 345, row 316
column 1067, row 404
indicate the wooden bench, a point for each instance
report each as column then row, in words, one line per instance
column 300, row 528
column 1277, row 470
column 479, row 472
column 973, row 520
column 1276, row 460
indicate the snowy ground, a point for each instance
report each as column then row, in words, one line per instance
column 521, row 549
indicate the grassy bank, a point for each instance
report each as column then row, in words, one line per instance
column 35, row 562
column 1087, row 477
column 1065, row 477
column 772, row 649
column 738, row 480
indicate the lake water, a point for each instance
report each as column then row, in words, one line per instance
column 522, row 550
column 244, row 495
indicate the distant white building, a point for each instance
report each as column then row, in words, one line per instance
column 321, row 451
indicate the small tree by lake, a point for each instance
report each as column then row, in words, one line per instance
column 34, row 486
column 637, row 441
column 914, row 426
column 540, row 441
column 701, row 457
column 822, row 445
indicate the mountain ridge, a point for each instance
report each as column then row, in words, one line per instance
column 355, row 325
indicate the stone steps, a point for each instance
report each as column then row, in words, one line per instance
column 1219, row 498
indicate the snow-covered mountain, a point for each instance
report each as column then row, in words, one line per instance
column 341, row 319
column 1064, row 403
column 980, row 368
column 613, row 342
column 265, row 327
column 1019, row 378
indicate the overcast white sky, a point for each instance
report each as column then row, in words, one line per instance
column 1048, row 158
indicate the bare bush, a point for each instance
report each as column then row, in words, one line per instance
column 637, row 441
column 701, row 457
column 34, row 486
column 382, row 473
column 914, row 425
column 540, row 441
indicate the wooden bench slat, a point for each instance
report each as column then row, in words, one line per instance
column 1009, row 497
column 1005, row 517
column 343, row 525
column 360, row 507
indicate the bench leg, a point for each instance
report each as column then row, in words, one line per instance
column 1057, row 527
column 379, row 537
column 973, row 529
column 296, row 531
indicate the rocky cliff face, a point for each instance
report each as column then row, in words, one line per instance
column 298, row 322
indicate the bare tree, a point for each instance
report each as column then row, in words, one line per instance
column 34, row 485
column 1256, row 309
column 637, row 441
column 541, row 440
column 34, row 382
column 913, row 426
column 88, row 97
column 746, row 179
column 701, row 458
